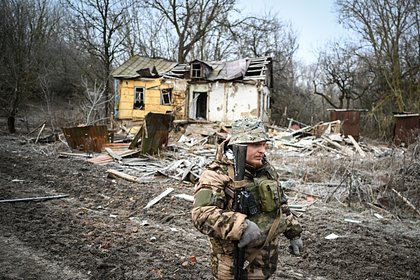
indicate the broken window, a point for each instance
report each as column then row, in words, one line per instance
column 196, row 71
column 138, row 98
column 166, row 96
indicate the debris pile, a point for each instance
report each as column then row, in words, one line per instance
column 316, row 163
column 319, row 138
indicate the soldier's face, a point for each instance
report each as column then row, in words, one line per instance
column 255, row 153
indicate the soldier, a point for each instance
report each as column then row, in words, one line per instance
column 254, row 233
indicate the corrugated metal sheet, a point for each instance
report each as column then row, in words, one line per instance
column 87, row 138
column 129, row 68
column 229, row 70
column 156, row 133
column 407, row 128
column 246, row 69
column 350, row 121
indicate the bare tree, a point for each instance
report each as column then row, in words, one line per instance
column 264, row 36
column 269, row 36
column 191, row 20
column 217, row 44
column 98, row 28
column 342, row 77
column 26, row 31
column 391, row 39
column 148, row 33
column 93, row 102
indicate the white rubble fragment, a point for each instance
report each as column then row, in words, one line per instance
column 185, row 196
column 331, row 236
column 353, row 221
column 379, row 216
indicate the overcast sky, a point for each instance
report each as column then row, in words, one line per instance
column 315, row 21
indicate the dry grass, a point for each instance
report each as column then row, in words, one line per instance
column 354, row 181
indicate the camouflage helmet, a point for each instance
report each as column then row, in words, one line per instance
column 248, row 131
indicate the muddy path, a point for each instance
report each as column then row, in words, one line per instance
column 102, row 231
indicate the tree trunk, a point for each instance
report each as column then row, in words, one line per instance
column 11, row 119
column 11, row 124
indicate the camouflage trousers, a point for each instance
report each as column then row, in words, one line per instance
column 262, row 267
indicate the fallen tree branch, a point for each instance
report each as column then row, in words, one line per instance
column 39, row 133
column 379, row 209
column 36, row 128
column 406, row 201
column 342, row 181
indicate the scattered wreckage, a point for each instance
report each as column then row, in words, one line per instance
column 185, row 148
column 181, row 150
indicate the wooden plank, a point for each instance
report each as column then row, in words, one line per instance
column 361, row 152
column 158, row 198
column 136, row 139
column 117, row 174
column 332, row 142
column 301, row 130
column 331, row 149
column 40, row 198
column 105, row 158
column 67, row 154
column 112, row 154
column 116, row 146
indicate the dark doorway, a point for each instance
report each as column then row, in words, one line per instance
column 200, row 105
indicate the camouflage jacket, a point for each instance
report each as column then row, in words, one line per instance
column 213, row 215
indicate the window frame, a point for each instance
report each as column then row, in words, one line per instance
column 139, row 96
column 196, row 72
column 166, row 93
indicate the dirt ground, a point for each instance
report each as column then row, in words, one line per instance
column 102, row 231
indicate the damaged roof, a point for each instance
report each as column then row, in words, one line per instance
column 257, row 68
column 246, row 68
column 138, row 66
column 229, row 70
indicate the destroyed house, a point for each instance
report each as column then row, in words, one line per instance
column 226, row 91
column 144, row 85
column 213, row 91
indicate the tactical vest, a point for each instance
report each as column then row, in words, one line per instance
column 267, row 194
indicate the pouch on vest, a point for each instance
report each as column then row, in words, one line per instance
column 268, row 193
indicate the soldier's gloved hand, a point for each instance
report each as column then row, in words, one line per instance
column 296, row 246
column 251, row 233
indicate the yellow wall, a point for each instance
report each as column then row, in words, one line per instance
column 151, row 99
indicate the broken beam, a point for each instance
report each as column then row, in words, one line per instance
column 118, row 174
column 354, row 142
